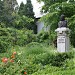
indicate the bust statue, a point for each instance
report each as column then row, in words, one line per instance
column 62, row 22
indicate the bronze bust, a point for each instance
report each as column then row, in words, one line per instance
column 62, row 22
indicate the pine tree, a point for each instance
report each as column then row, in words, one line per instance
column 10, row 6
column 1, row 10
column 29, row 9
column 1, row 14
column 21, row 9
column 26, row 9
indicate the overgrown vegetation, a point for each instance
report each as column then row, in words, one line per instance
column 24, row 53
column 36, row 59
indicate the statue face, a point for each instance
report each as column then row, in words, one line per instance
column 62, row 17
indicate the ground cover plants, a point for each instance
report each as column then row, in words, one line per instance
column 36, row 59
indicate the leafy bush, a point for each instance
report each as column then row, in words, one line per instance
column 72, row 28
column 35, row 59
column 31, row 68
column 48, row 38
column 52, row 59
column 23, row 37
column 35, row 48
column 44, row 58
column 8, row 64
column 5, row 40
column 11, row 37
column 49, row 70
column 24, row 65
column 60, row 58
column 3, row 46
column 24, row 22
column 40, row 54
column 43, row 37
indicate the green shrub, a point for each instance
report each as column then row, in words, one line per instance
column 48, row 38
column 35, row 48
column 52, row 59
column 44, row 58
column 36, row 59
column 60, row 58
column 42, row 36
column 31, row 68
column 21, row 37
column 53, row 70
column 5, row 40
column 3, row 46
column 9, row 69
column 72, row 28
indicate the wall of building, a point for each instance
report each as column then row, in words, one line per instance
column 40, row 26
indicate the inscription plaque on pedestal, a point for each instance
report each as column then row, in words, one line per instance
column 61, row 43
column 62, row 40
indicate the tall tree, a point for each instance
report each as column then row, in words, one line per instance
column 21, row 9
column 1, row 7
column 48, row 3
column 28, row 9
column 10, row 5
column 1, row 10
column 55, row 8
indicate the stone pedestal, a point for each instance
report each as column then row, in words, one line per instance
column 63, row 42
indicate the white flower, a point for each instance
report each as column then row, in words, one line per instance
column 19, row 53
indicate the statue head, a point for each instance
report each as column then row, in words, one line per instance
column 62, row 22
column 62, row 17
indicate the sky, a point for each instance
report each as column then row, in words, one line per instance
column 36, row 6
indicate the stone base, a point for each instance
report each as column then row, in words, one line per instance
column 62, row 39
column 62, row 44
